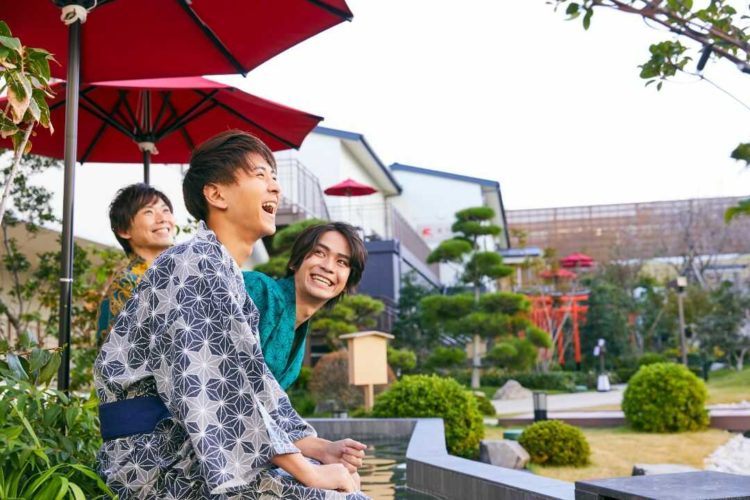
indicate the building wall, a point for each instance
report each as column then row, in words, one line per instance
column 637, row 230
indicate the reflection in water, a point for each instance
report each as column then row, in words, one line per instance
column 384, row 472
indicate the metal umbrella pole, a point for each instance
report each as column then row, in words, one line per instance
column 66, row 256
column 147, row 147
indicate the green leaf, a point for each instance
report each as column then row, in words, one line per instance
column 741, row 208
column 77, row 492
column 742, row 153
column 50, row 369
column 19, row 94
column 12, row 43
column 572, row 10
column 14, row 363
column 587, row 18
column 4, row 29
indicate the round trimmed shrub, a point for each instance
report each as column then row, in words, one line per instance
column 432, row 396
column 650, row 358
column 552, row 442
column 484, row 404
column 665, row 397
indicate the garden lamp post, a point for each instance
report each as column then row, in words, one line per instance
column 540, row 406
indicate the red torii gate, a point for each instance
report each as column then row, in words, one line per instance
column 550, row 314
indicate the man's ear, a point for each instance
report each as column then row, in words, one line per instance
column 215, row 196
column 125, row 235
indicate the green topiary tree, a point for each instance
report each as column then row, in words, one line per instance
column 552, row 442
column 433, row 396
column 665, row 397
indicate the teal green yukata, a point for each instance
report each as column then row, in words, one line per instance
column 283, row 347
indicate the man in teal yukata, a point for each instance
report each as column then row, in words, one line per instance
column 326, row 262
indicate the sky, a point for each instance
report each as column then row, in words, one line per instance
column 509, row 90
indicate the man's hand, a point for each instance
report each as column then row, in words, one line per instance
column 347, row 452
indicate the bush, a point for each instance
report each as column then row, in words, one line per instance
column 665, row 397
column 558, row 381
column 485, row 405
column 433, row 396
column 552, row 442
column 445, row 357
column 330, row 381
column 651, row 358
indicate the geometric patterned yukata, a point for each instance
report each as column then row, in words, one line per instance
column 189, row 335
column 118, row 293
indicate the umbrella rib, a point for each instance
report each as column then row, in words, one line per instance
column 181, row 120
column 165, row 96
column 99, row 134
column 183, row 130
column 213, row 38
column 253, row 123
column 333, row 10
column 102, row 114
column 131, row 114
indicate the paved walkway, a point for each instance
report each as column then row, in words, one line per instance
column 560, row 402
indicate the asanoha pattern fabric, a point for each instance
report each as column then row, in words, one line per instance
column 118, row 293
column 189, row 334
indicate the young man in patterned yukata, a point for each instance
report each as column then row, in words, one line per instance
column 188, row 407
column 326, row 262
column 142, row 220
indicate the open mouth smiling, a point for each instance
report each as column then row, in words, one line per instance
column 269, row 207
column 321, row 279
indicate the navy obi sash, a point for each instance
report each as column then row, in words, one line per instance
column 131, row 416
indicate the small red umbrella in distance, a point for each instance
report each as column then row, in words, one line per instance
column 128, row 121
column 576, row 260
column 350, row 187
column 559, row 274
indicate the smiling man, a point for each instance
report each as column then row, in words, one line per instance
column 326, row 262
column 141, row 219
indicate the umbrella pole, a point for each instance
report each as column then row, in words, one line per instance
column 71, row 144
column 146, row 166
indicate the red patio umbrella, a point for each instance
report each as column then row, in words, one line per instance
column 349, row 188
column 127, row 122
column 152, row 39
column 136, row 39
column 576, row 260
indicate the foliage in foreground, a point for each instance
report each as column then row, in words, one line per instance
column 432, row 396
column 37, row 458
column 665, row 397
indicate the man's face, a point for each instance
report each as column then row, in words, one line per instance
column 152, row 228
column 323, row 273
column 252, row 201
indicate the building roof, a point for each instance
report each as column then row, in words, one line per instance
column 486, row 185
column 360, row 146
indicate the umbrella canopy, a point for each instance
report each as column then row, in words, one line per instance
column 558, row 274
column 122, row 119
column 350, row 187
column 576, row 260
column 136, row 39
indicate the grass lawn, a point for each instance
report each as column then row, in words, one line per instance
column 615, row 451
column 729, row 386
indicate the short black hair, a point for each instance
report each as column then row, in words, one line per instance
column 217, row 161
column 126, row 204
column 308, row 239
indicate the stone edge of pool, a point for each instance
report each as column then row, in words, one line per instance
column 431, row 470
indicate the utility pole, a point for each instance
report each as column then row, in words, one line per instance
column 681, row 286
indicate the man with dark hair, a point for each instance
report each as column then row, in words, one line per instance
column 141, row 219
column 326, row 262
column 188, row 407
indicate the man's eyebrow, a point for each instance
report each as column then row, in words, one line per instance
column 324, row 247
column 264, row 168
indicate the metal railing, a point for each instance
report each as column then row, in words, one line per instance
column 382, row 221
column 300, row 190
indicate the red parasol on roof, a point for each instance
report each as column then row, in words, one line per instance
column 576, row 260
column 128, row 121
column 350, row 187
column 563, row 274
